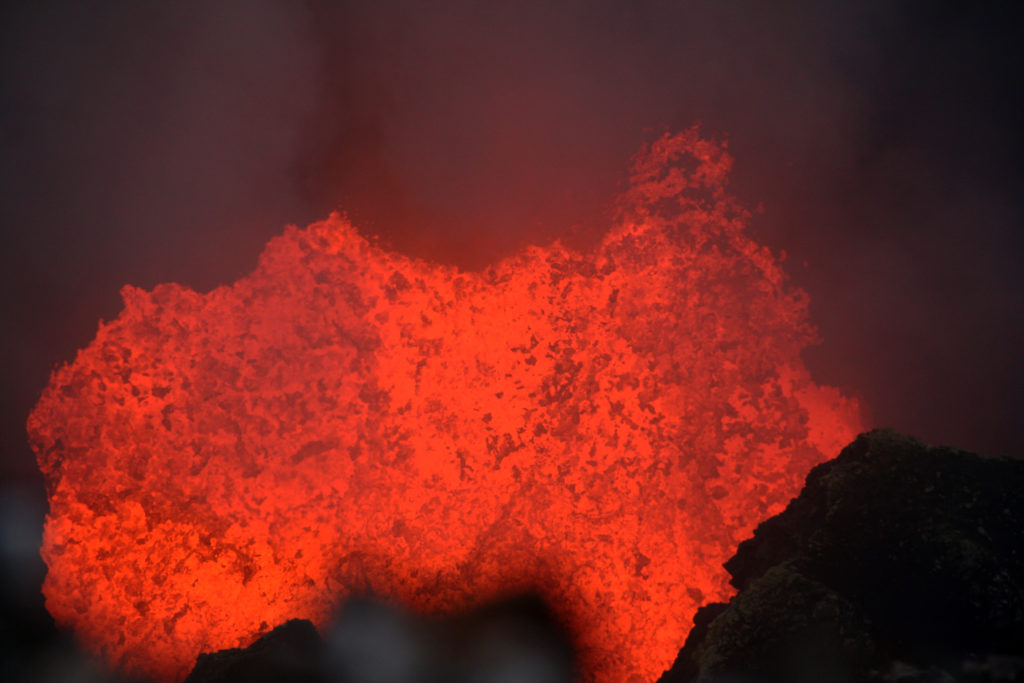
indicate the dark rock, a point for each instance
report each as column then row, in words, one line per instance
column 291, row 652
column 897, row 562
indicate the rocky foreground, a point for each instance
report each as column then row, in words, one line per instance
column 897, row 562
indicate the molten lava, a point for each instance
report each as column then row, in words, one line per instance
column 603, row 427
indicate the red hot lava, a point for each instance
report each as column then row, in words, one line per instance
column 604, row 427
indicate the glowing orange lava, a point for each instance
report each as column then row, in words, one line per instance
column 604, row 427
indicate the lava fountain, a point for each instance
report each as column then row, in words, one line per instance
column 601, row 427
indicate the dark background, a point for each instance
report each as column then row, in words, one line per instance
column 150, row 142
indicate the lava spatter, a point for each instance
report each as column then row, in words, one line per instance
column 601, row 426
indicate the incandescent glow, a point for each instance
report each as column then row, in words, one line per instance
column 603, row 427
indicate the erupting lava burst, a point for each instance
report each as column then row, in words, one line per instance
column 601, row 427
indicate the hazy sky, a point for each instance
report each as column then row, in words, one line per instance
column 151, row 142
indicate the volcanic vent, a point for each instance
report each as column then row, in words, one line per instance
column 603, row 427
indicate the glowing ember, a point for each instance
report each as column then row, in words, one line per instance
column 602, row 427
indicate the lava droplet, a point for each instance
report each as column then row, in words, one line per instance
column 601, row 427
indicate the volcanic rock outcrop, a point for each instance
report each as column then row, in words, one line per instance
column 897, row 562
column 291, row 652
